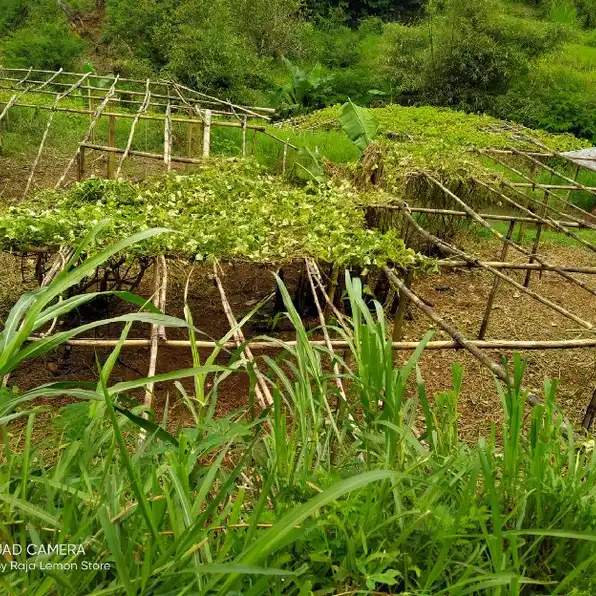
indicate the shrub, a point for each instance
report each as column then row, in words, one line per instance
column 47, row 46
column 556, row 95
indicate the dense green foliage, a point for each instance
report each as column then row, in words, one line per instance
column 436, row 140
column 309, row 497
column 228, row 209
column 528, row 61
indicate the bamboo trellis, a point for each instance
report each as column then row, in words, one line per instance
column 512, row 200
column 120, row 99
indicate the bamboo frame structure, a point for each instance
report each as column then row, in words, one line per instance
column 118, row 98
column 173, row 104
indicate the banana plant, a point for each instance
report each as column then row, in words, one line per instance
column 359, row 124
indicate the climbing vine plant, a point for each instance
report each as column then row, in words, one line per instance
column 228, row 209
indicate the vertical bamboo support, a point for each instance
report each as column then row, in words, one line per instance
column 167, row 138
column 91, row 110
column 81, row 164
column 575, row 177
column 284, row 161
column 398, row 322
column 244, row 123
column 493, row 292
column 536, row 242
column 331, row 289
column 189, row 136
column 207, row 134
column 111, row 143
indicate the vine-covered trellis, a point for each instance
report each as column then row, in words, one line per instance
column 514, row 201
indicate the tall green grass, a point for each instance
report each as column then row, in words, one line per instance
column 374, row 493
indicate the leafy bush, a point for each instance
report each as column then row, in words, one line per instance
column 556, row 94
column 465, row 55
column 46, row 46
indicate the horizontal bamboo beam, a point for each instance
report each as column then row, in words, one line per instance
column 131, row 116
column 134, row 102
column 521, row 266
column 158, row 156
column 491, row 216
column 532, row 153
column 493, row 344
column 538, row 185
column 166, row 84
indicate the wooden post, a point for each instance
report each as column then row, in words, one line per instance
column 81, row 163
column 244, row 123
column 493, row 292
column 207, row 134
column 111, row 143
column 398, row 322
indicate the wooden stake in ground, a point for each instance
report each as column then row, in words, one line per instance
column 207, row 134
column 167, row 139
column 141, row 111
column 160, row 281
column 493, row 292
column 262, row 393
column 398, row 322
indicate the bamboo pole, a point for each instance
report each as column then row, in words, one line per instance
column 284, row 160
column 557, row 225
column 448, row 264
column 207, row 134
column 167, row 140
column 244, row 123
column 493, row 344
column 81, row 164
column 497, row 234
column 248, row 110
column 262, row 392
column 189, row 140
column 568, row 187
column 111, row 144
column 535, row 243
column 493, row 292
column 157, row 284
column 457, row 252
column 131, row 134
column 72, row 88
column 133, row 152
column 89, row 134
column 490, row 216
column 156, row 117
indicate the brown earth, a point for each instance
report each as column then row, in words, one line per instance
column 458, row 296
